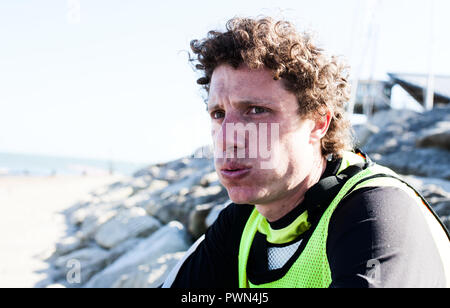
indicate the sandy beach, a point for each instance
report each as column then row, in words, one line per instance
column 31, row 221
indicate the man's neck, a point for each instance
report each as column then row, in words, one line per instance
column 275, row 210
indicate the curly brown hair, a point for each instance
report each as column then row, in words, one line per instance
column 318, row 81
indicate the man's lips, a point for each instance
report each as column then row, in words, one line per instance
column 234, row 171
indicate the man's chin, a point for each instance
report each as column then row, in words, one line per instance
column 241, row 196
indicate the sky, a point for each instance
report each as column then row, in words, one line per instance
column 109, row 79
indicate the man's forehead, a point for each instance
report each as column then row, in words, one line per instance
column 242, row 85
column 227, row 76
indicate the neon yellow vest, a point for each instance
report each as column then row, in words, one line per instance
column 311, row 269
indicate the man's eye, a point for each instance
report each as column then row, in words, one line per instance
column 218, row 114
column 257, row 110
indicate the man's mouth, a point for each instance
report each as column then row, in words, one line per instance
column 234, row 171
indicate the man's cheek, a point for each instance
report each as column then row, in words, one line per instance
column 269, row 143
column 214, row 131
column 215, row 127
column 217, row 139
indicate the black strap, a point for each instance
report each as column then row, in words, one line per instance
column 321, row 194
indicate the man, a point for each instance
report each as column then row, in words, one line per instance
column 309, row 212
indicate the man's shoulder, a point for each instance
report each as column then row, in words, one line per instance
column 387, row 225
column 387, row 212
column 388, row 201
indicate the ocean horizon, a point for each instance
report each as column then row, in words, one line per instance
column 18, row 164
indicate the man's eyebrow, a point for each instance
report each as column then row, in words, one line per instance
column 251, row 101
column 211, row 106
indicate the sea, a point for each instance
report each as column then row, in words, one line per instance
column 43, row 165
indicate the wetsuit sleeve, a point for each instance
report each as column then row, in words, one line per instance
column 378, row 237
column 214, row 262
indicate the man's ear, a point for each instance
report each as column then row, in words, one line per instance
column 322, row 123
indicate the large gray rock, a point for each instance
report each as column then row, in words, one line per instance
column 171, row 207
column 401, row 131
column 126, row 224
column 210, row 179
column 214, row 213
column 151, row 275
column 197, row 219
column 362, row 133
column 69, row 244
column 119, row 193
column 438, row 140
column 179, row 199
column 90, row 260
column 422, row 162
column 436, row 192
column 168, row 239
column 94, row 219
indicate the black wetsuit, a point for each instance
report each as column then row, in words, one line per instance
column 372, row 227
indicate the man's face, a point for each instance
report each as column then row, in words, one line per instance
column 258, row 108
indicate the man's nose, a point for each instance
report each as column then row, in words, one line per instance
column 228, row 139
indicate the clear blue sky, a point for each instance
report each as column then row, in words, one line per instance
column 109, row 79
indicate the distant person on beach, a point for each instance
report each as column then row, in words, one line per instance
column 308, row 209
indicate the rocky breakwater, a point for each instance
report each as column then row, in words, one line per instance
column 132, row 233
column 409, row 142
column 415, row 145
